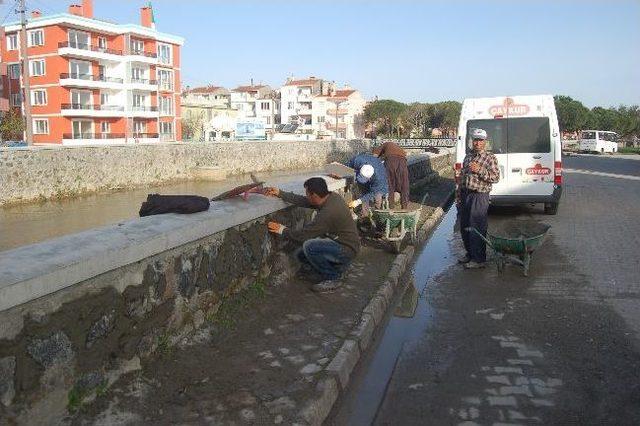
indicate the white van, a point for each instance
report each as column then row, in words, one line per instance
column 523, row 133
column 598, row 141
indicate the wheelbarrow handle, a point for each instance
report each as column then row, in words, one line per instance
column 472, row 229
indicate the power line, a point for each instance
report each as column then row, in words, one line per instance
column 11, row 10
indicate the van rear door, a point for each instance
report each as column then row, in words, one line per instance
column 496, row 129
column 530, row 156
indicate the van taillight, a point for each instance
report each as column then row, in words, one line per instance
column 557, row 179
column 458, row 168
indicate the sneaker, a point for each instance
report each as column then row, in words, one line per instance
column 474, row 265
column 326, row 286
column 464, row 259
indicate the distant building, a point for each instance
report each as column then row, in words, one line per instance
column 96, row 82
column 297, row 98
column 257, row 103
column 202, row 108
column 339, row 114
column 4, row 94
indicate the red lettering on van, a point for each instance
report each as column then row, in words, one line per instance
column 509, row 107
column 538, row 170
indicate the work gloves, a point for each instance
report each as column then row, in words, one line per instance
column 355, row 203
column 276, row 228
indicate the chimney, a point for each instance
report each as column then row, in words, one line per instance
column 87, row 8
column 146, row 17
column 36, row 13
column 75, row 9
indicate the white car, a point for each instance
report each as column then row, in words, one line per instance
column 523, row 133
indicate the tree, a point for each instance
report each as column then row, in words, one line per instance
column 385, row 115
column 628, row 121
column 11, row 126
column 572, row 115
column 416, row 119
column 192, row 125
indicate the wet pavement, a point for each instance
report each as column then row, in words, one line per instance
column 31, row 223
column 561, row 346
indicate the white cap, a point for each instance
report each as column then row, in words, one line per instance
column 479, row 134
column 366, row 171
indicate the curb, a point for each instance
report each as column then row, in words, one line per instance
column 339, row 370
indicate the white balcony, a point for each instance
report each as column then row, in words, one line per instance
column 90, row 81
column 85, row 51
column 142, row 57
column 142, row 84
column 89, row 110
column 142, row 112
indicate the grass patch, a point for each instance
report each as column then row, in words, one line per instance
column 164, row 344
column 74, row 399
column 629, row 150
column 226, row 316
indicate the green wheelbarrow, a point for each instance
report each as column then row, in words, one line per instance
column 514, row 241
column 395, row 224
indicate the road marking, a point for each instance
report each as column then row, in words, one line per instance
column 611, row 175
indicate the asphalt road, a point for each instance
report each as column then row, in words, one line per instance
column 561, row 346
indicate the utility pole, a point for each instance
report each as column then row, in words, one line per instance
column 26, row 98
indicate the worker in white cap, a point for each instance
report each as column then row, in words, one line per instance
column 371, row 177
column 479, row 171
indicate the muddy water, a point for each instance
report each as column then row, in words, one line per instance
column 360, row 405
column 31, row 223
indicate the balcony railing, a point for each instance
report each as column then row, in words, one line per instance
column 167, row 136
column 165, row 86
column 90, row 77
column 143, row 81
column 90, row 107
column 85, row 46
column 143, row 53
column 143, row 108
column 93, row 136
column 144, row 135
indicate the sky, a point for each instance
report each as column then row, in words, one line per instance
column 411, row 51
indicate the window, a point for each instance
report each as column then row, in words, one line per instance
column 166, row 105
column 268, row 120
column 136, row 47
column 513, row 135
column 80, row 70
column 16, row 99
column 102, row 43
column 41, row 126
column 321, row 119
column 14, row 71
column 104, row 99
column 105, row 127
column 79, row 39
column 139, row 127
column 164, row 53
column 264, row 106
column 39, row 97
column 36, row 38
column 80, row 99
column 36, row 67
column 139, row 101
column 137, row 75
column 290, row 105
column 12, row 42
column 165, row 79
column 82, row 129
column 588, row 135
column 166, row 128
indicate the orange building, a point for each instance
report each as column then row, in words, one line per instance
column 96, row 82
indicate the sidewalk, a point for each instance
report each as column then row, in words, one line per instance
column 273, row 354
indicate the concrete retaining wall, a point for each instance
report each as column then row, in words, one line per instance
column 29, row 174
column 78, row 311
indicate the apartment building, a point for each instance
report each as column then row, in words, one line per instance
column 4, row 96
column 256, row 103
column 96, row 82
column 213, row 96
column 339, row 115
column 207, row 113
column 297, row 98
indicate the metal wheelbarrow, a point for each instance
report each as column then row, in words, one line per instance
column 515, row 241
column 396, row 224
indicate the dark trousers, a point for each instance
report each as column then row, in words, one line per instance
column 474, row 211
column 327, row 257
column 398, row 180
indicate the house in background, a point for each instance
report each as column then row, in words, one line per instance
column 339, row 114
column 297, row 99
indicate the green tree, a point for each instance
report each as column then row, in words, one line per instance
column 628, row 121
column 572, row 115
column 385, row 116
column 12, row 126
column 416, row 119
column 603, row 119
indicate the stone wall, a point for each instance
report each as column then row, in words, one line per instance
column 73, row 321
column 29, row 174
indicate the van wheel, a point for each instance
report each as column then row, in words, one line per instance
column 550, row 208
column 601, row 150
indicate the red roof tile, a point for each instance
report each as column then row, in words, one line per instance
column 248, row 88
column 304, row 82
column 205, row 89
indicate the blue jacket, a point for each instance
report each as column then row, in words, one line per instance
column 378, row 182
